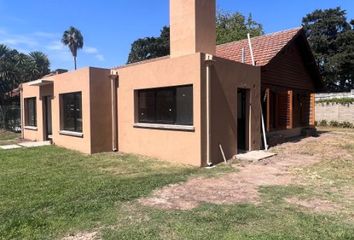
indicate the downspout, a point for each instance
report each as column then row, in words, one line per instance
column 114, row 81
column 22, row 112
column 263, row 124
column 209, row 62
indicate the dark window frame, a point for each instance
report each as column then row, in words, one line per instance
column 77, row 128
column 28, row 121
column 155, row 119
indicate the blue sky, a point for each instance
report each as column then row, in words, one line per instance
column 110, row 26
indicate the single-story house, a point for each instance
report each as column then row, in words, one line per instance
column 289, row 79
column 191, row 107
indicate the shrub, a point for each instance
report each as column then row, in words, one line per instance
column 347, row 125
column 342, row 101
column 334, row 124
column 323, row 123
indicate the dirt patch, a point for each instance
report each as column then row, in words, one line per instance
column 83, row 236
column 242, row 187
column 315, row 205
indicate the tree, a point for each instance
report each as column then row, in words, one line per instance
column 17, row 68
column 230, row 27
column 150, row 47
column 41, row 64
column 331, row 38
column 234, row 27
column 74, row 40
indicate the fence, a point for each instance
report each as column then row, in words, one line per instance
column 10, row 117
column 326, row 96
column 335, row 111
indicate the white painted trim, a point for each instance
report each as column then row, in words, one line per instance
column 70, row 133
column 164, row 126
column 31, row 128
column 41, row 82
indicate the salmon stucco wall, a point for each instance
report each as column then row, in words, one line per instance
column 192, row 27
column 172, row 145
column 35, row 134
column 77, row 81
column 94, row 85
column 226, row 78
column 101, row 110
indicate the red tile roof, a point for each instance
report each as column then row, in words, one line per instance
column 265, row 47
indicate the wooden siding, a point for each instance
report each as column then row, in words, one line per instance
column 288, row 70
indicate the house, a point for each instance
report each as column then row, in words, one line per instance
column 190, row 107
column 289, row 79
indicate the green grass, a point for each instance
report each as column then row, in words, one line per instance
column 49, row 192
column 225, row 222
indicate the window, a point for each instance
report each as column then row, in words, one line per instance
column 30, row 112
column 173, row 105
column 71, row 112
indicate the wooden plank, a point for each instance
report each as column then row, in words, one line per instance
column 268, row 109
column 290, row 114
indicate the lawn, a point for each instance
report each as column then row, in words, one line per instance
column 51, row 193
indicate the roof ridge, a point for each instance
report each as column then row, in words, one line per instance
column 265, row 35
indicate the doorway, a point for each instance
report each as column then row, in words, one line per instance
column 47, row 101
column 242, row 120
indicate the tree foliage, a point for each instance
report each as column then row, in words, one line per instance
column 17, row 68
column 234, row 26
column 331, row 38
column 74, row 40
column 230, row 27
column 150, row 47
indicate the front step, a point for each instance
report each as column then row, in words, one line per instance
column 255, row 156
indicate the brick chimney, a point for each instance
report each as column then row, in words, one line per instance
column 193, row 27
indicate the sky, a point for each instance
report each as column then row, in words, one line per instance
column 110, row 26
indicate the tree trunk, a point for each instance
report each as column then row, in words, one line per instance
column 75, row 63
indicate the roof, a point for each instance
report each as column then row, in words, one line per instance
column 265, row 47
column 141, row 62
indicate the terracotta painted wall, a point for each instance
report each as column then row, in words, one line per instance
column 171, row 145
column 77, row 81
column 29, row 92
column 227, row 77
column 94, row 84
column 192, row 27
column 101, row 111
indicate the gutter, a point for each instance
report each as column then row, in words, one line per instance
column 22, row 112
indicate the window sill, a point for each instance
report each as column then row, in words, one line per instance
column 31, row 128
column 164, row 126
column 72, row 134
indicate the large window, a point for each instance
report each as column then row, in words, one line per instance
column 71, row 112
column 173, row 105
column 30, row 112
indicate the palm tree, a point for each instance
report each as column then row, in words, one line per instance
column 74, row 39
column 41, row 63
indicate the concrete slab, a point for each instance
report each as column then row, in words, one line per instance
column 34, row 144
column 255, row 156
column 9, row 147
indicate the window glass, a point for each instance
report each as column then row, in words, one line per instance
column 71, row 112
column 173, row 105
column 184, row 108
column 31, row 114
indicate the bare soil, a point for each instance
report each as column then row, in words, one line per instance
column 242, row 186
column 82, row 236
